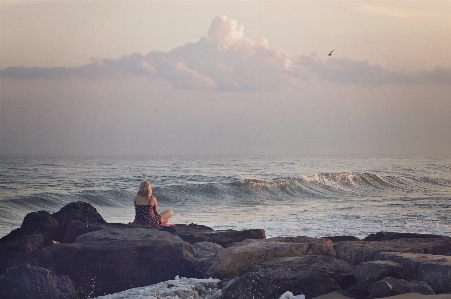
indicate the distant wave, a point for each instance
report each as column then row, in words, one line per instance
column 322, row 185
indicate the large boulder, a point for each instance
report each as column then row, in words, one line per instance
column 27, row 245
column 435, row 270
column 356, row 252
column 309, row 275
column 81, row 211
column 402, row 286
column 242, row 256
column 30, row 282
column 384, row 236
column 368, row 272
column 117, row 259
column 41, row 222
column 204, row 255
column 77, row 228
column 9, row 259
column 193, row 233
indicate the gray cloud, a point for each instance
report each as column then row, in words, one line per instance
column 349, row 71
column 226, row 60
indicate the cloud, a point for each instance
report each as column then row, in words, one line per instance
column 227, row 60
column 347, row 71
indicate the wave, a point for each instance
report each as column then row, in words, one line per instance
column 322, row 185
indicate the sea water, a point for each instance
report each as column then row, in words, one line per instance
column 285, row 196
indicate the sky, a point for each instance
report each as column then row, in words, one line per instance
column 225, row 77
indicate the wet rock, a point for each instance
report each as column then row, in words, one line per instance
column 401, row 286
column 240, row 257
column 337, row 239
column 27, row 245
column 116, row 259
column 204, row 255
column 193, row 233
column 9, row 259
column 77, row 228
column 30, row 282
column 368, row 272
column 435, row 270
column 380, row 289
column 309, row 275
column 384, row 236
column 357, row 252
column 81, row 211
column 40, row 222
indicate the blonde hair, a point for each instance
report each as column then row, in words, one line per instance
column 145, row 189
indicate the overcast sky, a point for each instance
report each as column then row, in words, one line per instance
column 225, row 77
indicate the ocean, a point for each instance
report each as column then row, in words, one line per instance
column 285, row 196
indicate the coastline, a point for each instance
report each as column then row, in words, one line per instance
column 69, row 246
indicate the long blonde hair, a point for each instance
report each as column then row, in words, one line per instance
column 145, row 189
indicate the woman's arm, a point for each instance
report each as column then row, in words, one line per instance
column 154, row 203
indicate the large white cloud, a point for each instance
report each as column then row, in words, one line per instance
column 227, row 60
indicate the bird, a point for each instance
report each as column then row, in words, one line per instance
column 330, row 54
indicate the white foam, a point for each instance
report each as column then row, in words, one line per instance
column 289, row 295
column 171, row 289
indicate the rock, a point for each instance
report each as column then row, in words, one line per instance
column 337, row 239
column 401, row 286
column 12, row 258
column 420, row 287
column 204, row 255
column 193, row 233
column 380, row 289
column 116, row 234
column 77, row 228
column 242, row 256
column 435, row 270
column 117, row 259
column 40, row 222
column 312, row 276
column 356, row 252
column 372, row 271
column 384, row 236
column 27, row 245
column 81, row 211
column 30, row 282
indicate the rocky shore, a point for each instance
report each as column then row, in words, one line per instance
column 75, row 253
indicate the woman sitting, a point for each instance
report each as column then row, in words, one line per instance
column 146, row 207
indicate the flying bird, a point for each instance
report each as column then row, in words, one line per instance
column 330, row 54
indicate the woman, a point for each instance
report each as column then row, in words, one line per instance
column 146, row 207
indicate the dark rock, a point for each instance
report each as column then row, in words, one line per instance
column 401, row 286
column 337, row 239
column 12, row 258
column 194, row 233
column 420, row 287
column 240, row 257
column 30, row 282
column 309, row 275
column 117, row 259
column 27, row 245
column 357, row 252
column 384, row 236
column 435, row 270
column 40, row 222
column 380, row 289
column 81, row 211
column 372, row 271
column 204, row 255
column 77, row 228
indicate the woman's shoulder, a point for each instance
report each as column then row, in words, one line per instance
column 141, row 200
